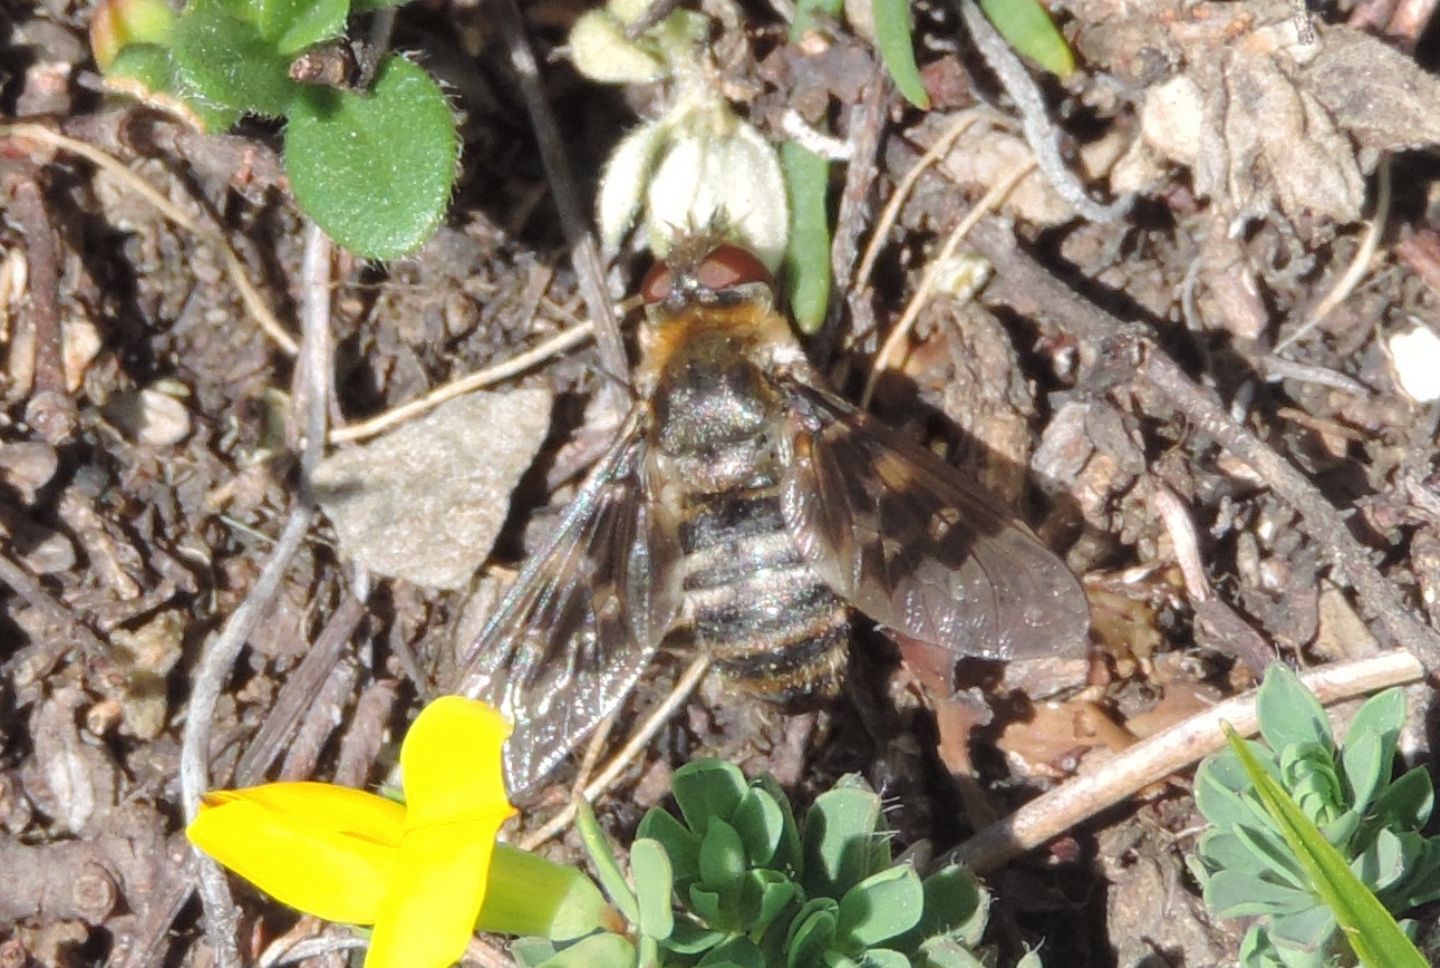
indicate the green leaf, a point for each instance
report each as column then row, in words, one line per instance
column 761, row 825
column 881, row 907
column 707, row 906
column 293, row 25
column 807, row 255
column 722, row 856
column 735, row 953
column 1289, row 713
column 839, row 837
column 374, row 171
column 1382, row 716
column 892, row 38
column 1369, row 928
column 1365, row 767
column 689, row 938
column 764, row 896
column 368, row 6
column 153, row 71
column 681, row 844
column 597, row 846
column 1406, row 803
column 955, row 906
column 707, row 788
column 788, row 852
column 1234, row 895
column 884, row 958
column 1307, row 931
column 653, row 884
column 944, row 953
column 811, row 933
column 1027, row 27
column 1220, row 783
column 1223, row 850
column 596, row 951
column 227, row 61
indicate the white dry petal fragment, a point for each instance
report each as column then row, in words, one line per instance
column 601, row 51
column 425, row 502
column 1415, row 355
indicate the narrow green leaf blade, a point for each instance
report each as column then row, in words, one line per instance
column 375, row 171
column 807, row 257
column 1370, row 929
column 897, row 52
column 597, row 846
column 1027, row 27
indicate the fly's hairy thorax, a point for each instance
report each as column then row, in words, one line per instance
column 751, row 602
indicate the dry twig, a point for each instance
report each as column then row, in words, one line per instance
column 1151, row 760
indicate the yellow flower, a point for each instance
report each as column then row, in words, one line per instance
column 418, row 872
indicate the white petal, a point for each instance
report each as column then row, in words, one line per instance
column 623, row 183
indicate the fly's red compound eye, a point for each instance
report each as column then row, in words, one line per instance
column 657, row 285
column 728, row 266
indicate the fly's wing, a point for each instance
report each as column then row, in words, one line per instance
column 584, row 618
column 907, row 540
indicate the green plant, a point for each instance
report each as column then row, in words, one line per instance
column 755, row 888
column 1256, row 861
column 373, row 168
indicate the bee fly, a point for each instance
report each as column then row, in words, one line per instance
column 746, row 504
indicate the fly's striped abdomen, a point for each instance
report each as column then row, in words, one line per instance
column 755, row 606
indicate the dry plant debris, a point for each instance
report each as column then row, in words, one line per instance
column 1220, row 407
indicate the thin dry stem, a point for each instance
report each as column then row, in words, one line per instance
column 514, row 366
column 1358, row 266
column 1167, row 752
column 900, row 332
column 234, row 268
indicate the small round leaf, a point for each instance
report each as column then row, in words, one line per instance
column 374, row 171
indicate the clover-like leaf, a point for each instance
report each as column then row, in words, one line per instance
column 653, row 885
column 374, row 170
column 761, row 826
column 722, row 856
column 682, row 845
column 735, row 953
column 812, row 932
column 840, row 836
column 705, row 789
column 883, row 906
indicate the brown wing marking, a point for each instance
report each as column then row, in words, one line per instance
column 584, row 618
column 907, row 540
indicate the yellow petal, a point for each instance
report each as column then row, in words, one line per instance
column 326, row 850
column 452, row 764
column 429, row 913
